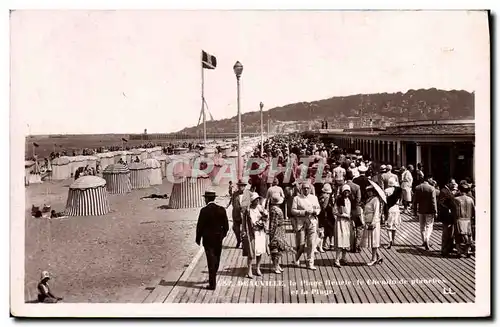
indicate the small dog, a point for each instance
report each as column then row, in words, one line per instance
column 321, row 232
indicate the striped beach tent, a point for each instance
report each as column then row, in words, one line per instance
column 139, row 175
column 181, row 165
column 61, row 168
column 155, row 177
column 117, row 178
column 163, row 162
column 87, row 197
column 189, row 192
column 218, row 164
column 231, row 164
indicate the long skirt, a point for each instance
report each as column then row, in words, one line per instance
column 327, row 222
column 371, row 238
column 406, row 194
column 342, row 233
column 394, row 218
column 256, row 246
column 277, row 241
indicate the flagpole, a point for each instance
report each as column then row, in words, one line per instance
column 203, row 102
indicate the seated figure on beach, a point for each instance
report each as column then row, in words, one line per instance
column 44, row 293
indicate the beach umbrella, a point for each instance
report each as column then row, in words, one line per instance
column 379, row 190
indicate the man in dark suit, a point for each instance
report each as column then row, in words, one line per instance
column 212, row 227
column 238, row 203
column 363, row 183
column 446, row 206
column 356, row 212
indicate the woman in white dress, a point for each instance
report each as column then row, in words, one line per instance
column 342, row 212
column 371, row 234
column 393, row 194
column 254, row 233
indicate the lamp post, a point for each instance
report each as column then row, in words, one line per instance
column 261, row 130
column 238, row 69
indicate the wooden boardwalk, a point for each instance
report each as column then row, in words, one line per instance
column 409, row 274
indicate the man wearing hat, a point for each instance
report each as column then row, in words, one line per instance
column 212, row 227
column 238, row 202
column 446, row 208
column 356, row 212
column 362, row 181
column 406, row 186
column 388, row 175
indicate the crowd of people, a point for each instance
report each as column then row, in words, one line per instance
column 339, row 201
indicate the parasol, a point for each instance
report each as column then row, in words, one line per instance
column 379, row 190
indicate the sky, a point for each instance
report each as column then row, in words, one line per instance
column 125, row 71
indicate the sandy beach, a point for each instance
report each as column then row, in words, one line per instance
column 107, row 258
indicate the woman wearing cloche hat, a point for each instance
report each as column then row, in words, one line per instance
column 326, row 219
column 254, row 233
column 342, row 211
column 44, row 293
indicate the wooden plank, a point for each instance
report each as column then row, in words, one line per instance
column 323, row 273
column 441, row 271
column 289, row 277
column 343, row 277
column 238, row 287
column 278, row 289
column 407, row 262
column 439, row 263
column 367, row 274
column 390, row 268
column 239, row 276
column 399, row 262
column 144, row 291
column 164, row 287
column 321, row 295
column 221, row 279
column 285, row 276
column 331, row 273
column 347, row 275
column 230, row 271
column 365, row 295
column 267, row 289
column 465, row 265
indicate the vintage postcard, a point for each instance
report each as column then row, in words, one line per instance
column 264, row 163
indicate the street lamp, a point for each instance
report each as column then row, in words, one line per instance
column 238, row 69
column 261, row 130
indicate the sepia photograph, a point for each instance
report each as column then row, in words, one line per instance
column 322, row 159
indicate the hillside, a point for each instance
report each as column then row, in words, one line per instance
column 422, row 104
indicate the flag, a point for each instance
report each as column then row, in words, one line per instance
column 208, row 61
column 124, row 139
column 35, row 144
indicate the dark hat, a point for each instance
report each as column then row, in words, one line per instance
column 241, row 182
column 210, row 194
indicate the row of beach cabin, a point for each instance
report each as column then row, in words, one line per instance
column 88, row 195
